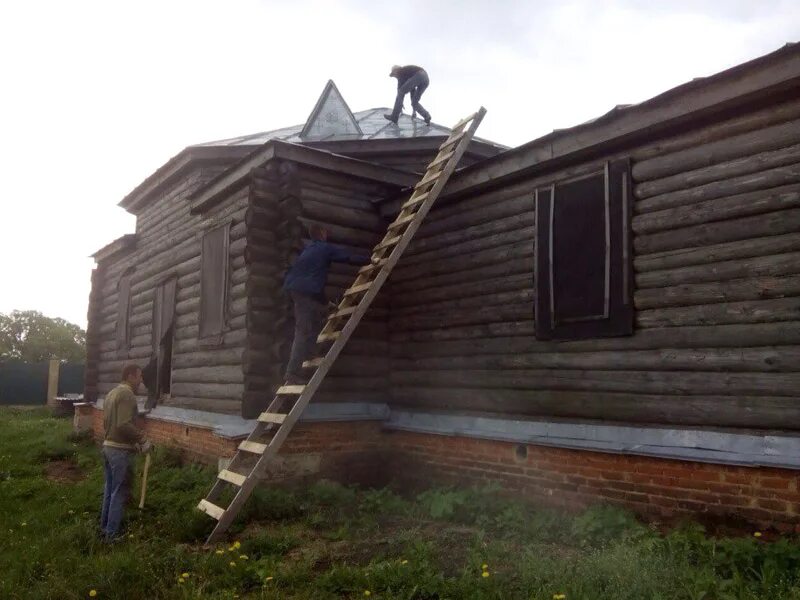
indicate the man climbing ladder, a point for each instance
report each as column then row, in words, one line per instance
column 275, row 424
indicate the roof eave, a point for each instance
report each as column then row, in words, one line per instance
column 764, row 77
column 122, row 244
column 237, row 176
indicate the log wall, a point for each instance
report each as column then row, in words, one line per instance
column 716, row 238
column 285, row 197
column 168, row 244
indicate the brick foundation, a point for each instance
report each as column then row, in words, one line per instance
column 363, row 452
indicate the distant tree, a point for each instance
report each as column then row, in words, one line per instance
column 30, row 336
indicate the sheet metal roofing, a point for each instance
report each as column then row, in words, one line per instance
column 331, row 120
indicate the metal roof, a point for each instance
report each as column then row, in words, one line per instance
column 331, row 121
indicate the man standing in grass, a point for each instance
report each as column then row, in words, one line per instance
column 122, row 440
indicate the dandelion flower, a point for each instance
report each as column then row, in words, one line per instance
column 233, row 564
column 484, row 566
column 756, row 534
column 237, row 545
column 185, row 575
column 243, row 557
column 92, row 593
column 485, row 574
column 181, row 580
column 220, row 552
column 559, row 596
column 23, row 524
column 367, row 593
column 72, row 512
column 268, row 578
column 404, row 562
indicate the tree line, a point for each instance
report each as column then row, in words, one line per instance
column 30, row 336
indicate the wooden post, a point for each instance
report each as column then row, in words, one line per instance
column 52, row 382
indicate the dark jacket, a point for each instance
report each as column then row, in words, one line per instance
column 405, row 73
column 309, row 273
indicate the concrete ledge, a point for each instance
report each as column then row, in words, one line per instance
column 744, row 449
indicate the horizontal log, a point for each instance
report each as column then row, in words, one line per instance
column 744, row 165
column 186, row 339
column 684, row 257
column 339, row 234
column 463, row 290
column 232, row 391
column 759, row 411
column 760, row 266
column 760, row 138
column 361, row 383
column 719, row 209
column 208, row 358
column 725, row 291
column 214, row 405
column 762, row 180
column 769, row 224
column 471, row 316
column 459, row 303
column 644, row 382
column 222, row 374
column 421, row 276
column 771, row 359
column 348, row 217
column 518, row 337
column 759, row 311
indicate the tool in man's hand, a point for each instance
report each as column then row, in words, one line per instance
column 145, row 448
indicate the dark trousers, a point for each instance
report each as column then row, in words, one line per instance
column 416, row 86
column 309, row 317
column 118, row 468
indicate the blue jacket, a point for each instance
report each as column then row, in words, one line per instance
column 309, row 273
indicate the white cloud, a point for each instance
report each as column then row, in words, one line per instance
column 97, row 95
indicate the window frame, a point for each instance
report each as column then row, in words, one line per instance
column 215, row 337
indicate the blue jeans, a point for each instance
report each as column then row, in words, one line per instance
column 416, row 86
column 118, row 465
column 309, row 318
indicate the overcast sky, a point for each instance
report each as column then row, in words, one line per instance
column 94, row 96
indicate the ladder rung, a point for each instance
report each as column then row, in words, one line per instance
column 442, row 159
column 277, row 418
column 388, row 243
column 327, row 337
column 372, row 267
column 343, row 312
column 452, row 140
column 287, row 390
column 253, row 447
column 231, row 477
column 463, row 121
column 212, row 510
column 313, row 363
column 428, row 179
column 400, row 222
column 419, row 198
column 359, row 288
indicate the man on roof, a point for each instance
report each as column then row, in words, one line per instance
column 413, row 80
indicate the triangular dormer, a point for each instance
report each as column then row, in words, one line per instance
column 331, row 116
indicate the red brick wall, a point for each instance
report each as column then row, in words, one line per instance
column 361, row 452
column 576, row 478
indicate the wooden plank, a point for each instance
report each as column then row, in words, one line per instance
column 402, row 221
column 718, row 291
column 373, row 266
column 290, row 390
column 277, row 418
column 313, row 363
column 211, row 510
column 358, row 289
column 328, row 337
column 231, row 477
column 755, row 311
column 253, row 447
column 343, row 312
column 441, row 160
column 389, row 243
column 452, row 140
column 458, row 126
column 415, row 200
column 428, row 179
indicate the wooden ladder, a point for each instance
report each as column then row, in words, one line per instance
column 275, row 424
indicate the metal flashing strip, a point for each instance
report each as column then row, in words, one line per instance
column 234, row 426
column 681, row 444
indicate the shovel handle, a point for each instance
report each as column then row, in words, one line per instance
column 144, row 479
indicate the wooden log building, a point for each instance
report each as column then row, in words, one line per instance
column 608, row 313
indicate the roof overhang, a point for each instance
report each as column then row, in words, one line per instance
column 477, row 148
column 237, row 176
column 767, row 79
column 176, row 168
column 121, row 245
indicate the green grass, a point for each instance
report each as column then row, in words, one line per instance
column 329, row 541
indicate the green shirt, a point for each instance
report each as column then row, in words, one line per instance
column 119, row 411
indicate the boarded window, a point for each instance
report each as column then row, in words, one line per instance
column 214, row 281
column 583, row 278
column 123, row 314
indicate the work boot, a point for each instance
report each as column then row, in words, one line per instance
column 390, row 117
column 427, row 120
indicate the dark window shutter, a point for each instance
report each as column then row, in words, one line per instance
column 123, row 314
column 214, row 281
column 583, row 279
